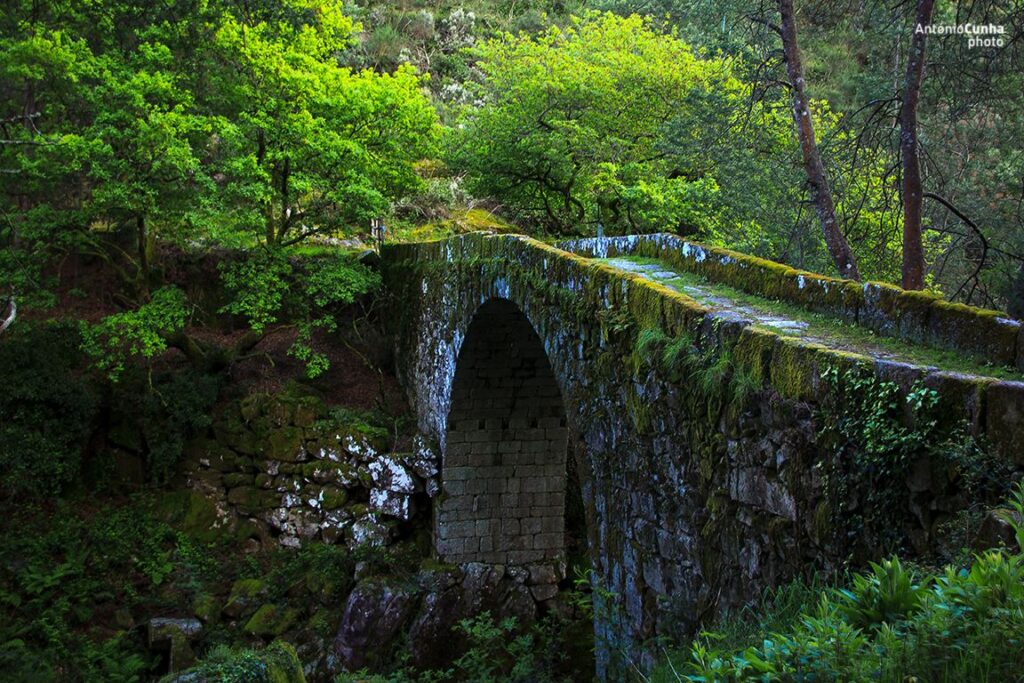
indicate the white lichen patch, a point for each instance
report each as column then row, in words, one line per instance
column 424, row 459
column 389, row 474
column 390, row 503
column 368, row 530
column 359, row 448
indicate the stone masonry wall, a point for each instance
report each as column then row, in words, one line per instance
column 279, row 466
column 504, row 467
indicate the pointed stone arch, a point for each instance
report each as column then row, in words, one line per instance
column 504, row 462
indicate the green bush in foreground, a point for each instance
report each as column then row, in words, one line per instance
column 890, row 624
column 276, row 663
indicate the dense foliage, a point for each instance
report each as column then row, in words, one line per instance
column 85, row 573
column 48, row 410
column 218, row 122
column 128, row 126
column 553, row 140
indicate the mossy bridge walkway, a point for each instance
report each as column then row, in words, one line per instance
column 698, row 415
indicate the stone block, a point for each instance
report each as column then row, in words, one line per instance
column 987, row 334
column 1020, row 349
column 286, row 444
column 548, row 540
column 793, row 368
column 272, row 620
column 751, row 486
column 543, row 592
column 531, row 525
column 542, row 574
column 878, row 310
column 524, row 556
column 1004, row 420
column 174, row 635
column 535, row 485
column 960, row 396
column 552, row 524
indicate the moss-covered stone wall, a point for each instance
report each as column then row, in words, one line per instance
column 714, row 458
column 921, row 317
column 285, row 472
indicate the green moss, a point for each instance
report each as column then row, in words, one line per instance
column 882, row 297
column 277, row 663
column 911, row 311
column 334, row 498
column 243, row 597
column 206, row 607
column 250, row 500
column 285, row 444
column 272, row 620
column 780, row 282
column 793, row 368
column 845, row 361
column 822, row 522
column 639, row 410
column 753, row 352
column 645, row 302
column 831, row 331
column 191, row 513
column 975, row 330
column 236, row 479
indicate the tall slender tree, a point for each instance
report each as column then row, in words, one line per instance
column 913, row 250
column 817, row 178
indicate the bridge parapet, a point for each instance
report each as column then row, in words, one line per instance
column 918, row 317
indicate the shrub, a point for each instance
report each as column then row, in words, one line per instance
column 274, row 664
column 47, row 409
column 160, row 412
column 963, row 624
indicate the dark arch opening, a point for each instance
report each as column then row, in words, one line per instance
column 504, row 465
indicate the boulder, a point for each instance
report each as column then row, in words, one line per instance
column 279, row 664
column 374, row 616
column 243, row 598
column 286, row 444
column 367, row 531
column 454, row 595
column 271, row 620
column 173, row 636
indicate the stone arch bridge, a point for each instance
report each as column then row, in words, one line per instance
column 705, row 403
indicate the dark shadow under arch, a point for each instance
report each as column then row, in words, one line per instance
column 504, row 465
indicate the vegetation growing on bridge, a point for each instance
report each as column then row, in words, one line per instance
column 832, row 330
column 892, row 623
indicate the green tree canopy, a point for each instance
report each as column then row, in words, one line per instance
column 201, row 123
column 573, row 129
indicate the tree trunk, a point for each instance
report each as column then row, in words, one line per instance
column 285, row 179
column 817, row 179
column 10, row 313
column 146, row 249
column 913, row 250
